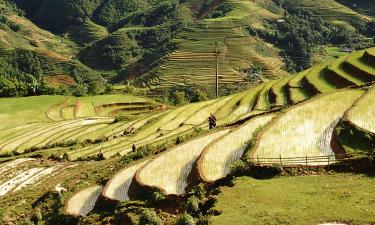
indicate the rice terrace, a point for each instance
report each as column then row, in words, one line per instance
column 194, row 112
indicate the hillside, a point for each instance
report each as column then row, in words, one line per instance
column 34, row 61
column 85, row 145
column 127, row 42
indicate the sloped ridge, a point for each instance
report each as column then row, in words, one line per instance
column 169, row 172
column 118, row 186
column 217, row 158
column 83, row 202
column 362, row 112
column 338, row 76
column 305, row 129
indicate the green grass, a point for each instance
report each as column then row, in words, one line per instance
column 20, row 111
column 263, row 100
column 357, row 61
column 298, row 200
column 337, row 67
column 298, row 95
column 316, row 78
column 279, row 90
column 331, row 11
column 245, row 105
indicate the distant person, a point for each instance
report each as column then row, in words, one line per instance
column 212, row 122
column 134, row 148
column 101, row 155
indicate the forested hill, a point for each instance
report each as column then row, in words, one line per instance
column 80, row 47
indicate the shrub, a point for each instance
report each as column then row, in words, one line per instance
column 199, row 96
column 179, row 140
column 185, row 219
column 149, row 217
column 199, row 191
column 179, row 98
column 157, row 196
column 192, row 205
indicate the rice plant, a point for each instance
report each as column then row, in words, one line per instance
column 362, row 113
column 117, row 188
column 305, row 130
column 216, row 160
column 169, row 172
column 83, row 202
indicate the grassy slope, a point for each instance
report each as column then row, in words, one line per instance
column 194, row 59
column 305, row 130
column 365, row 7
column 298, row 200
column 332, row 11
column 19, row 111
column 94, row 172
column 362, row 113
column 46, row 43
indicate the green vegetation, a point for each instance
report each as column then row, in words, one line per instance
column 303, row 32
column 166, row 162
column 297, row 200
column 23, row 73
column 129, row 42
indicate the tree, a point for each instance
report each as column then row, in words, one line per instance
column 149, row 217
column 179, row 98
column 199, row 96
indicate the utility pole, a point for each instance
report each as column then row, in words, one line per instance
column 217, row 68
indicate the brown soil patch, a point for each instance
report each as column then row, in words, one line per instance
column 60, row 79
column 53, row 55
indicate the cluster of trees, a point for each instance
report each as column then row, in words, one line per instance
column 220, row 11
column 22, row 73
column 303, row 33
column 158, row 25
column 58, row 16
column 184, row 95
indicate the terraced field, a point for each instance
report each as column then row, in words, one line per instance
column 27, row 172
column 362, row 113
column 194, row 60
column 290, row 120
column 332, row 11
column 57, row 120
column 305, row 130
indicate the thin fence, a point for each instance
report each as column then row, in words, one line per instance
column 305, row 160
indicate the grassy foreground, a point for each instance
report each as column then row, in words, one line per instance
column 298, row 200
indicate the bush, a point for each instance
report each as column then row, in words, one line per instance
column 199, row 191
column 21, row 74
column 179, row 140
column 112, row 10
column 179, row 98
column 192, row 205
column 149, row 217
column 303, row 33
column 185, row 219
column 199, row 96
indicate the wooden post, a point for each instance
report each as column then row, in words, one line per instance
column 281, row 162
column 217, row 68
column 306, row 160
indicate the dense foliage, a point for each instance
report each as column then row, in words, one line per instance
column 302, row 33
column 145, row 43
column 22, row 73
column 110, row 12
column 60, row 15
